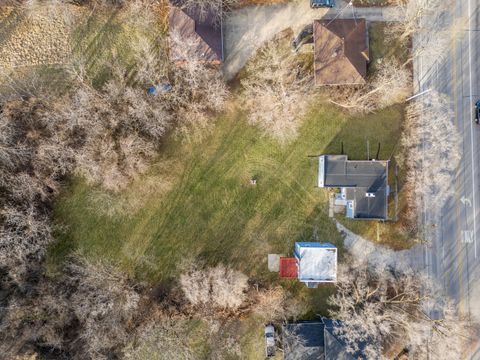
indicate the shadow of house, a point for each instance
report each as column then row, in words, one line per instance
column 316, row 340
column 341, row 51
column 201, row 32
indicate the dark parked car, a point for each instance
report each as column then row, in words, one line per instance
column 322, row 3
column 477, row 112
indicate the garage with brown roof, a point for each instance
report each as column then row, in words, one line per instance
column 341, row 51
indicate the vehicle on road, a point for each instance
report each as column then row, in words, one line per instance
column 269, row 340
column 322, row 3
column 477, row 112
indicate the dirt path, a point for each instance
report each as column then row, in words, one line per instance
column 248, row 28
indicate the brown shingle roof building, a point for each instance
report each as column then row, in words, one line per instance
column 341, row 51
column 201, row 33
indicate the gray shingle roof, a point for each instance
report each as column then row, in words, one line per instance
column 316, row 340
column 366, row 183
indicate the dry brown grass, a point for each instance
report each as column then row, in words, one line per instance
column 245, row 3
column 373, row 3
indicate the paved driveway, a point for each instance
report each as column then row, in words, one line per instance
column 248, row 28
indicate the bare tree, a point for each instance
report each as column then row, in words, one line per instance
column 432, row 47
column 432, row 149
column 103, row 302
column 275, row 304
column 417, row 16
column 94, row 301
column 276, row 89
column 383, row 308
column 209, row 9
column 218, row 287
column 197, row 89
column 390, row 85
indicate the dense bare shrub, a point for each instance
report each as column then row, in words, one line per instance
column 117, row 130
column 275, row 304
column 390, row 85
column 32, row 160
column 165, row 339
column 417, row 16
column 103, row 303
column 198, row 89
column 85, row 313
column 24, row 235
column 218, row 287
column 276, row 89
column 432, row 150
column 212, row 8
column 383, row 308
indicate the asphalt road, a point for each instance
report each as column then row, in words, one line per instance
column 453, row 257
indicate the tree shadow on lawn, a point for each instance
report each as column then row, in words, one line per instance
column 216, row 216
column 382, row 127
column 107, row 39
column 213, row 214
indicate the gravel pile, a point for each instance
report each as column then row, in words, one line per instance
column 39, row 38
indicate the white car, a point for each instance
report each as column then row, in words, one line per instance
column 269, row 340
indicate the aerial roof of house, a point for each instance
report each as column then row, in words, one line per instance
column 317, row 262
column 365, row 183
column 201, row 31
column 303, row 340
column 341, row 51
column 316, row 340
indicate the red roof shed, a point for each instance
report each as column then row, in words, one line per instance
column 288, row 268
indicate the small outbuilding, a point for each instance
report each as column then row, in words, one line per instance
column 316, row 263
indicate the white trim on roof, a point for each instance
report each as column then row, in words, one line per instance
column 321, row 171
column 317, row 262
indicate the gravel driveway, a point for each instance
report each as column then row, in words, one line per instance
column 247, row 29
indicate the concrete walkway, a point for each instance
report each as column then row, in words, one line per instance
column 248, row 28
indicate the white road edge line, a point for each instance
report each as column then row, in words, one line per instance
column 471, row 124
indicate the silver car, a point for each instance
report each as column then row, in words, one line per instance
column 269, row 340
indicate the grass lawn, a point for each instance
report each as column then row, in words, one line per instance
column 196, row 203
column 205, row 207
column 105, row 38
column 381, row 47
column 98, row 40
